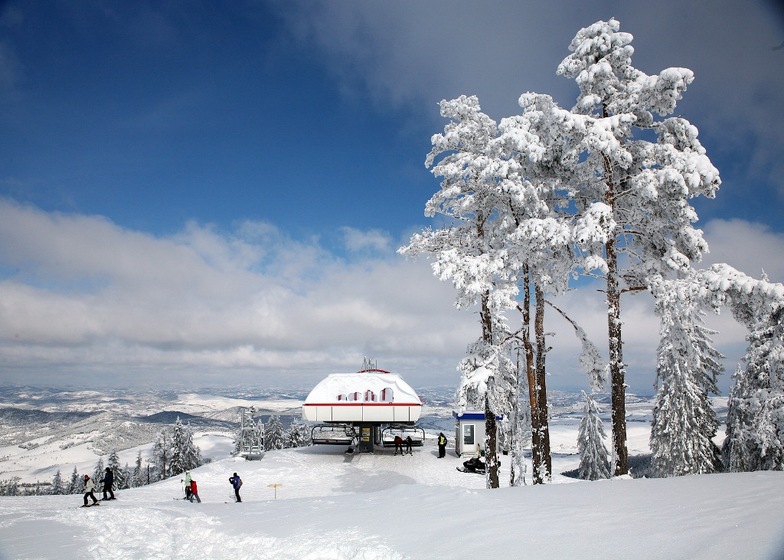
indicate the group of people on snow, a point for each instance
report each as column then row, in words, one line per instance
column 89, row 488
column 191, row 489
column 399, row 445
column 189, row 484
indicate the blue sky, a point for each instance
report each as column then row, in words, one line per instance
column 208, row 192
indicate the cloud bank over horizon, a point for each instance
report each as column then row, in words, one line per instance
column 83, row 299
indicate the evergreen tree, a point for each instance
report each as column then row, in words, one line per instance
column 684, row 423
column 590, row 443
column 98, row 471
column 120, row 478
column 161, row 455
column 74, row 484
column 274, row 434
column 184, row 453
column 57, row 487
column 127, row 473
column 755, row 420
column 643, row 186
column 298, row 435
column 137, row 476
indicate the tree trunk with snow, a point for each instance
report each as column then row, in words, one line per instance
column 543, row 423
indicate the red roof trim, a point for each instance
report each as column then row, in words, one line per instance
column 355, row 403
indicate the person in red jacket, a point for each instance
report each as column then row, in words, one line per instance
column 194, row 492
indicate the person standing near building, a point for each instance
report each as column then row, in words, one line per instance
column 236, row 483
column 398, row 445
column 409, row 442
column 108, row 482
column 441, row 445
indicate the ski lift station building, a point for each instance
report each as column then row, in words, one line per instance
column 470, row 431
column 363, row 406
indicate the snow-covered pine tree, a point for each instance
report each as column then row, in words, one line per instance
column 755, row 417
column 113, row 462
column 298, row 435
column 684, row 423
column 161, row 454
column 137, row 476
column 185, row 455
column 98, row 471
column 57, row 487
column 643, row 187
column 274, row 433
column 590, row 442
column 755, row 420
column 74, row 484
column 471, row 249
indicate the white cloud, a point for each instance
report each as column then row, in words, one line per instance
column 356, row 240
column 81, row 296
column 82, row 293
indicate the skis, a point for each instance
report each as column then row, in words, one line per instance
column 90, row 505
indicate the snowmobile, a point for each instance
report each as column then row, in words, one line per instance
column 473, row 465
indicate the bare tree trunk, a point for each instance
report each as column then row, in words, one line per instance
column 491, row 427
column 536, row 440
column 541, row 384
column 491, row 440
column 617, row 373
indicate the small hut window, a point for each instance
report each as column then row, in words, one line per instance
column 468, row 434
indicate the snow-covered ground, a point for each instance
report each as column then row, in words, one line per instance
column 330, row 505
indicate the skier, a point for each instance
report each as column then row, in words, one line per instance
column 441, row 445
column 236, row 482
column 187, row 483
column 398, row 445
column 409, row 441
column 108, row 481
column 194, row 492
column 89, row 486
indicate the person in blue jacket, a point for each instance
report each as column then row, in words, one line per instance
column 236, row 483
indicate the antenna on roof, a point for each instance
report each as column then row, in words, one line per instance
column 368, row 364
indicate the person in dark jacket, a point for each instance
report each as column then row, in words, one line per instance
column 236, row 483
column 108, row 481
column 441, row 445
column 409, row 443
column 398, row 445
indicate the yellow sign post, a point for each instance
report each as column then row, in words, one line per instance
column 275, row 486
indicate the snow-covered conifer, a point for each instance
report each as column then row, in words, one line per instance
column 642, row 188
column 74, row 484
column 184, row 455
column 113, row 462
column 684, row 423
column 57, row 487
column 298, row 435
column 590, row 443
column 98, row 471
column 755, row 420
column 137, row 478
column 274, row 433
column 161, row 454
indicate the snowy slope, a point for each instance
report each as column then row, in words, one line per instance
column 335, row 506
